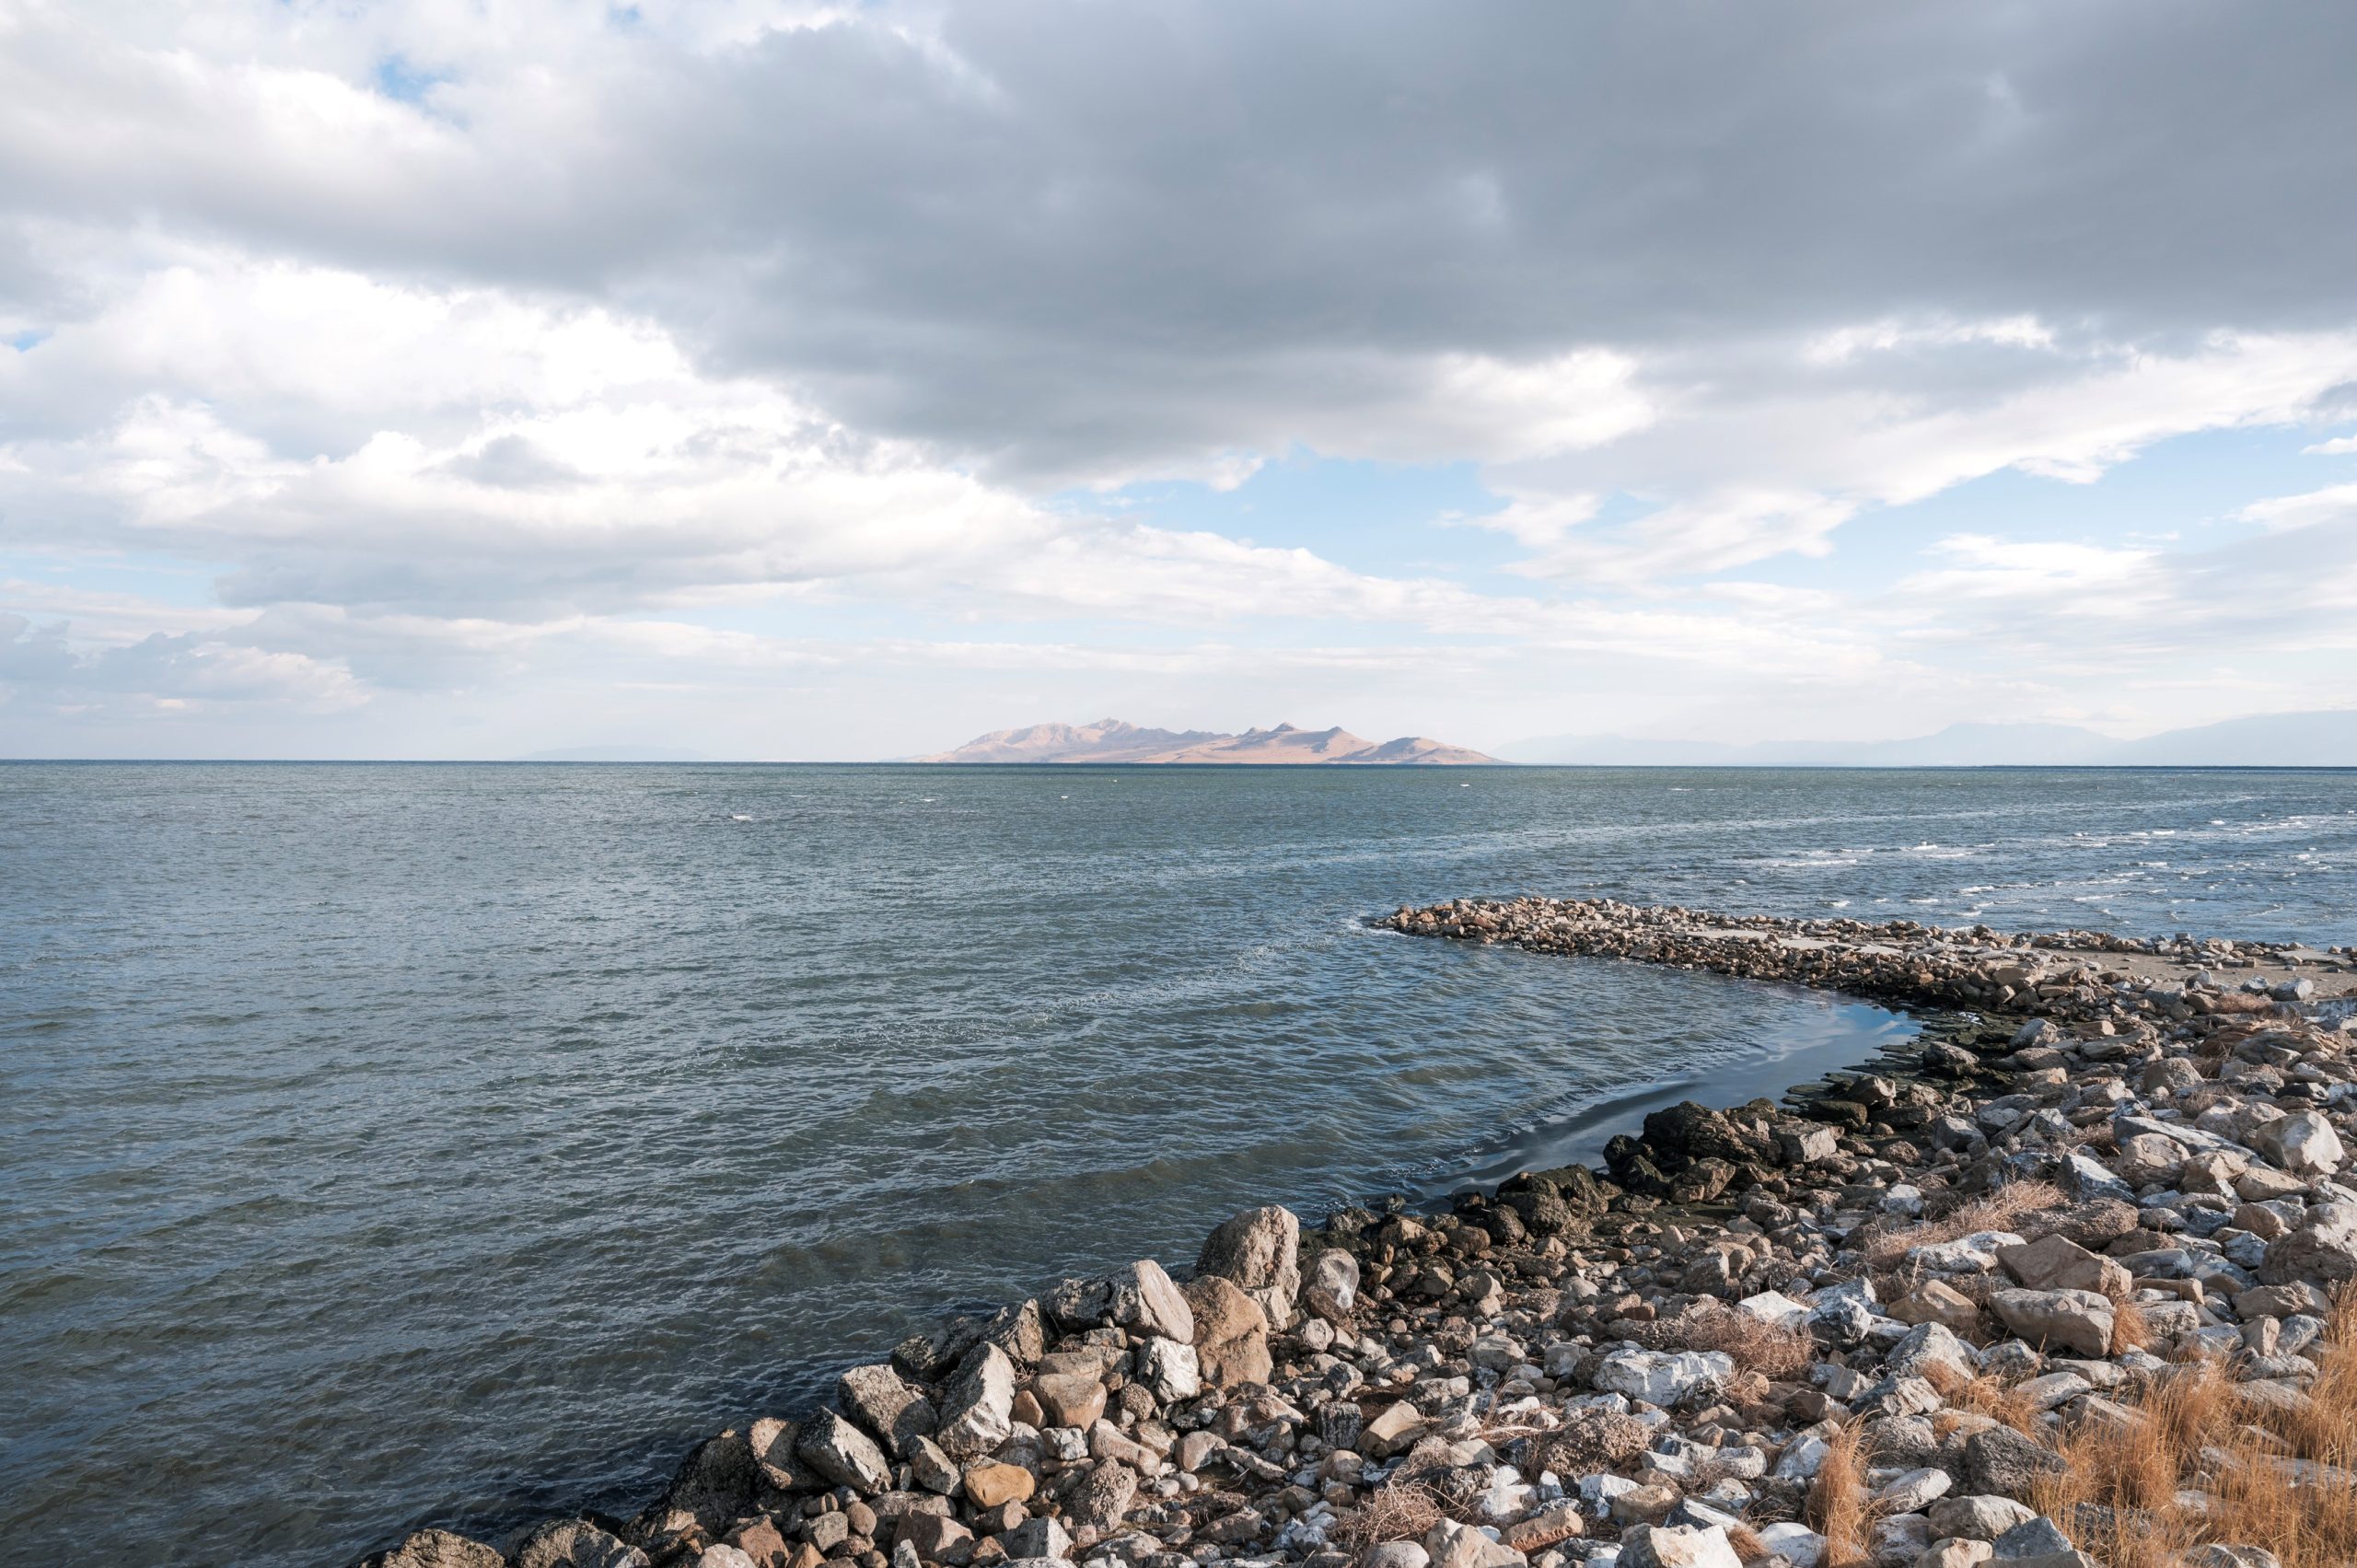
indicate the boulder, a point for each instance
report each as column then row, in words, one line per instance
column 1070, row 1387
column 978, row 1405
column 1936, row 1301
column 1332, row 1288
column 575, row 1543
column 1170, row 1370
column 1079, row 1304
column 1928, row 1345
column 1231, row 1333
column 1977, row 1518
column 1037, row 1539
column 2075, row 1320
column 2323, row 1250
column 1103, row 1497
column 991, row 1484
column 773, row 1442
column 1678, row 1546
column 1145, row 1302
column 1664, row 1379
column 2303, row 1143
column 2056, row 1262
column 1451, row 1545
column 437, row 1549
column 938, row 1538
column 1260, row 1249
column 1396, row 1554
column 842, row 1454
column 929, row 1467
column 762, row 1544
column 714, row 1486
column 2000, row 1461
column 722, row 1555
column 1795, row 1543
column 891, row 1410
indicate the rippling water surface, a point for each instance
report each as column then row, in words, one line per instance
column 395, row 1145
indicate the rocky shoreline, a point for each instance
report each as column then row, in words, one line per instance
column 2062, row 1281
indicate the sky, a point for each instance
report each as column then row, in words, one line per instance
column 479, row 377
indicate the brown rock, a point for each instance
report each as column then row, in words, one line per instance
column 989, row 1485
column 2056, row 1262
column 758, row 1540
column 1231, row 1333
column 436, row 1549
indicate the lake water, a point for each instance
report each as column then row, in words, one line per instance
column 401, row 1145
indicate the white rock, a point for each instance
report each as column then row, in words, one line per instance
column 1661, row 1377
column 2302, row 1144
column 1796, row 1544
column 1774, row 1308
column 1170, row 1370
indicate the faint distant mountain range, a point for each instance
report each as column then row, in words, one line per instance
column 616, row 754
column 1112, row 740
column 2321, row 739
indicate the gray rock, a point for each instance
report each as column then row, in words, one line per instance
column 1079, row 1304
column 1913, row 1492
column 1146, row 1302
column 2303, row 1143
column 1260, row 1251
column 2077, row 1320
column 1674, row 1546
column 891, row 1410
column 437, row 1549
column 2002, row 1461
column 1396, row 1554
column 978, row 1405
column 1332, row 1288
column 1451, row 1545
column 2035, row 1537
column 575, row 1543
column 1170, row 1370
column 1661, row 1377
column 2323, row 1251
column 1042, row 1539
column 1977, row 1518
column 932, row 1469
column 1103, row 1496
column 842, row 1454
column 2085, row 1178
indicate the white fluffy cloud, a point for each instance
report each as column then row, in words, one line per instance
column 475, row 347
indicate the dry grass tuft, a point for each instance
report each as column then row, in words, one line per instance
column 1399, row 1510
column 2130, row 1329
column 1756, row 1346
column 1984, row 1395
column 1747, row 1542
column 2284, row 1478
column 1837, row 1501
column 2002, row 1210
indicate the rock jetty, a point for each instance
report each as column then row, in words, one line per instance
column 2065, row 1280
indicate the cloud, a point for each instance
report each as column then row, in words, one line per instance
column 453, row 344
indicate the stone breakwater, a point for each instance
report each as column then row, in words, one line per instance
column 1876, row 1322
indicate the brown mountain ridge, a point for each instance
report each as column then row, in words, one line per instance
column 1114, row 740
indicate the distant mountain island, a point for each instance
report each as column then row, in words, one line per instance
column 2323, row 739
column 1113, row 740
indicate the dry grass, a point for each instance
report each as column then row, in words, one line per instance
column 2198, row 1434
column 1399, row 1510
column 1754, row 1345
column 2002, row 1210
column 1837, row 1501
column 1984, row 1395
column 1747, row 1542
column 2129, row 1330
